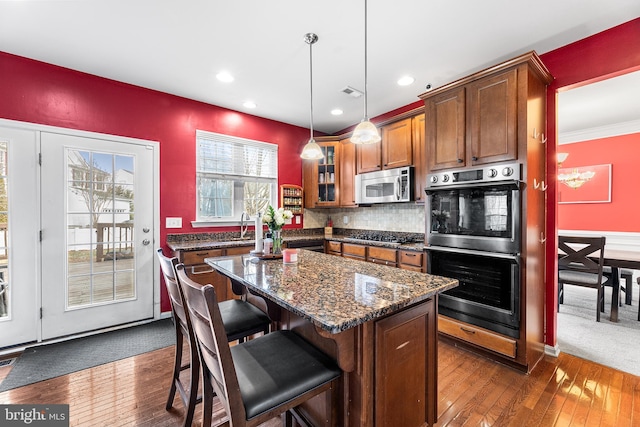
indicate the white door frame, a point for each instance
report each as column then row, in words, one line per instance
column 155, row 146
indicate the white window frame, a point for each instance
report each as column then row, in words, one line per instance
column 270, row 176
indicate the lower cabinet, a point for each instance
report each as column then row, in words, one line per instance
column 402, row 258
column 477, row 336
column 383, row 256
column 352, row 251
column 204, row 274
column 412, row 260
column 402, row 397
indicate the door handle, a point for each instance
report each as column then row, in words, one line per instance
column 146, row 242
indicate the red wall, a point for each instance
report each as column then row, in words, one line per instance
column 622, row 152
column 609, row 53
column 40, row 93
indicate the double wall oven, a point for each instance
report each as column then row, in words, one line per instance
column 473, row 235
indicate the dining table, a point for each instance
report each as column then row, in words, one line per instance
column 617, row 259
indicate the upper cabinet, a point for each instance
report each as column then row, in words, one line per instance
column 474, row 121
column 347, row 173
column 321, row 177
column 419, row 158
column 394, row 151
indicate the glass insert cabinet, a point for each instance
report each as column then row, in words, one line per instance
column 321, row 177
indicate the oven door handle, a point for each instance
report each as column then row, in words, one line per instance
column 513, row 184
column 510, row 257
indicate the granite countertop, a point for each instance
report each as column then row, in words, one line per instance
column 412, row 246
column 203, row 244
column 231, row 242
column 333, row 293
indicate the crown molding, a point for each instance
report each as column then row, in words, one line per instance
column 617, row 129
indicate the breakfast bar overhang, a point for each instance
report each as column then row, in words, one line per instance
column 378, row 322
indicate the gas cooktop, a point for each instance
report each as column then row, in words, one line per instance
column 380, row 237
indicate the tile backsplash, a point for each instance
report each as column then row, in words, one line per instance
column 405, row 217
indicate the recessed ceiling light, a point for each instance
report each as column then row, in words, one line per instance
column 406, row 80
column 224, row 76
column 336, row 112
column 249, row 104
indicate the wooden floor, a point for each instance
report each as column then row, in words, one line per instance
column 473, row 391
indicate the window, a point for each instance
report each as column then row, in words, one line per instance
column 234, row 175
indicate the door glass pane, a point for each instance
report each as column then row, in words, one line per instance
column 100, row 241
column 5, row 299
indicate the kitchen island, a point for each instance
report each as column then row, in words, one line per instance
column 378, row 322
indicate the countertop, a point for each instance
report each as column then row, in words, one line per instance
column 334, row 293
column 204, row 244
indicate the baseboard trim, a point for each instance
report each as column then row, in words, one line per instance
column 553, row 351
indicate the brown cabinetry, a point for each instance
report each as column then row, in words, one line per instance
column 394, row 151
column 412, row 260
column 497, row 115
column 474, row 124
column 404, row 339
column 321, row 177
column 347, row 173
column 359, row 252
column 419, row 158
column 204, row 274
column 383, row 256
column 333, row 248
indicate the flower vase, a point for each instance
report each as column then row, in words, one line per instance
column 442, row 226
column 276, row 235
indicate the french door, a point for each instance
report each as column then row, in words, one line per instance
column 92, row 256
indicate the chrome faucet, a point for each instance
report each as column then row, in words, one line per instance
column 244, row 225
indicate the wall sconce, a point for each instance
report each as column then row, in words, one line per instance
column 561, row 157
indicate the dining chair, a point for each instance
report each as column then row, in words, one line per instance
column 258, row 379
column 240, row 318
column 580, row 262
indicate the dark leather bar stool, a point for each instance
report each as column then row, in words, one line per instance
column 241, row 319
column 259, row 379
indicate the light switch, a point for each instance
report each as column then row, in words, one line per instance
column 173, row 222
column 297, row 219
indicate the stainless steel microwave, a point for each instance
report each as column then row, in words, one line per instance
column 386, row 186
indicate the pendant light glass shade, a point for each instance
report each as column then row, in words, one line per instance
column 312, row 150
column 366, row 132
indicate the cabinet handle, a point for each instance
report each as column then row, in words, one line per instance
column 474, row 158
column 469, row 331
column 410, row 255
column 544, row 139
column 535, row 134
column 202, row 253
column 460, row 160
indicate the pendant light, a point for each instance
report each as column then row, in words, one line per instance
column 312, row 150
column 366, row 132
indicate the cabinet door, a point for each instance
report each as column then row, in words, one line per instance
column 347, row 173
column 328, row 175
column 369, row 158
column 445, row 129
column 492, row 113
column 310, row 182
column 396, row 145
column 403, row 398
column 419, row 158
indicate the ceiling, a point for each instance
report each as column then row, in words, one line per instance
column 178, row 46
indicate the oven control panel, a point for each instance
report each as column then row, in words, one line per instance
column 493, row 173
